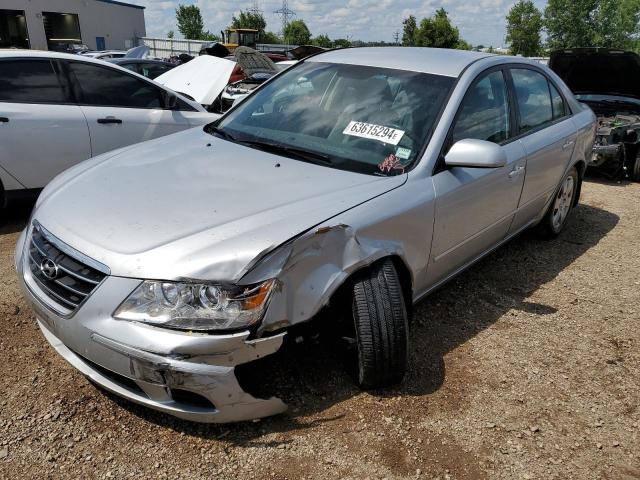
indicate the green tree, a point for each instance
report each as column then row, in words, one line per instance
column 592, row 23
column 322, row 41
column 341, row 43
column 463, row 45
column 210, row 37
column 249, row 20
column 171, row 34
column 297, row 33
column 616, row 24
column 270, row 37
column 409, row 31
column 438, row 32
column 569, row 23
column 524, row 24
column 190, row 22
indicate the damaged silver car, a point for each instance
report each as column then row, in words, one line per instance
column 359, row 181
column 608, row 81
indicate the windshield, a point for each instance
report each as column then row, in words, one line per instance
column 363, row 119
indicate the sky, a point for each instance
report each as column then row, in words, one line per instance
column 480, row 21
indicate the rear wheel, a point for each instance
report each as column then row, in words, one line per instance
column 381, row 327
column 556, row 217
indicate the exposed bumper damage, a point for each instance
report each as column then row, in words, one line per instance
column 182, row 386
column 616, row 147
column 188, row 375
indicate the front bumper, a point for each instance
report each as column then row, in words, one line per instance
column 188, row 375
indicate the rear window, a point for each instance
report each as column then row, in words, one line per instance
column 30, row 81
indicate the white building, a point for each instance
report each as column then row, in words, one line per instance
column 52, row 24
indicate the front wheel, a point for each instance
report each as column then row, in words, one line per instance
column 556, row 217
column 381, row 327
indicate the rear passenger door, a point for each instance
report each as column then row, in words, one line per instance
column 42, row 132
column 122, row 109
column 548, row 136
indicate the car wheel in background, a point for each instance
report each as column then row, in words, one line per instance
column 381, row 327
column 556, row 217
column 635, row 170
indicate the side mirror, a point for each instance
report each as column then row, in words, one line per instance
column 170, row 100
column 475, row 153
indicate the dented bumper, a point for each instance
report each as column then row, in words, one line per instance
column 188, row 375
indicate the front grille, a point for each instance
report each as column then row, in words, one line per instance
column 65, row 278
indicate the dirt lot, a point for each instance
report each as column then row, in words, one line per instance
column 526, row 366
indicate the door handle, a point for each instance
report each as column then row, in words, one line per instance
column 567, row 144
column 4, row 120
column 516, row 171
column 109, row 120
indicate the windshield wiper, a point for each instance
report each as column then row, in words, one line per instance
column 213, row 130
column 288, row 151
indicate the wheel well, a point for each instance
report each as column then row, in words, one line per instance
column 342, row 295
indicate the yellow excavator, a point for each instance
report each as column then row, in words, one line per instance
column 240, row 37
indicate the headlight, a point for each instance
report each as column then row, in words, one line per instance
column 192, row 306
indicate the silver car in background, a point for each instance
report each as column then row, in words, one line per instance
column 358, row 180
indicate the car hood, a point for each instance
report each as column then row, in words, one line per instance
column 202, row 78
column 598, row 70
column 192, row 206
column 252, row 61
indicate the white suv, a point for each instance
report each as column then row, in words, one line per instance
column 57, row 110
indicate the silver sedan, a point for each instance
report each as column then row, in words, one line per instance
column 357, row 181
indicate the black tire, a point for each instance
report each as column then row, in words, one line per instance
column 552, row 224
column 635, row 170
column 381, row 327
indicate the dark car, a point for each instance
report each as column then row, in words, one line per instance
column 146, row 67
column 608, row 81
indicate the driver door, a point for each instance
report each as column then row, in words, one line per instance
column 475, row 206
column 120, row 108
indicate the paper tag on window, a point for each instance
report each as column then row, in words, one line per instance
column 374, row 132
column 403, row 153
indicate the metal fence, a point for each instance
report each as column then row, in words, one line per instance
column 168, row 47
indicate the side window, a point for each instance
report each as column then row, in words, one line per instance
column 104, row 87
column 534, row 100
column 557, row 103
column 30, row 81
column 484, row 112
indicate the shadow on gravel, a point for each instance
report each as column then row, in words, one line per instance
column 15, row 217
column 310, row 377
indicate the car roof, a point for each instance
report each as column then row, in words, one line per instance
column 15, row 52
column 437, row 61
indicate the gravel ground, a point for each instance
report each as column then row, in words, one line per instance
column 526, row 366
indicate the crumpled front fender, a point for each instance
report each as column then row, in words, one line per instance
column 311, row 267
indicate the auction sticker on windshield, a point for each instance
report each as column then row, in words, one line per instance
column 374, row 132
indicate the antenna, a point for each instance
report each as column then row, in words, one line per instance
column 286, row 14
